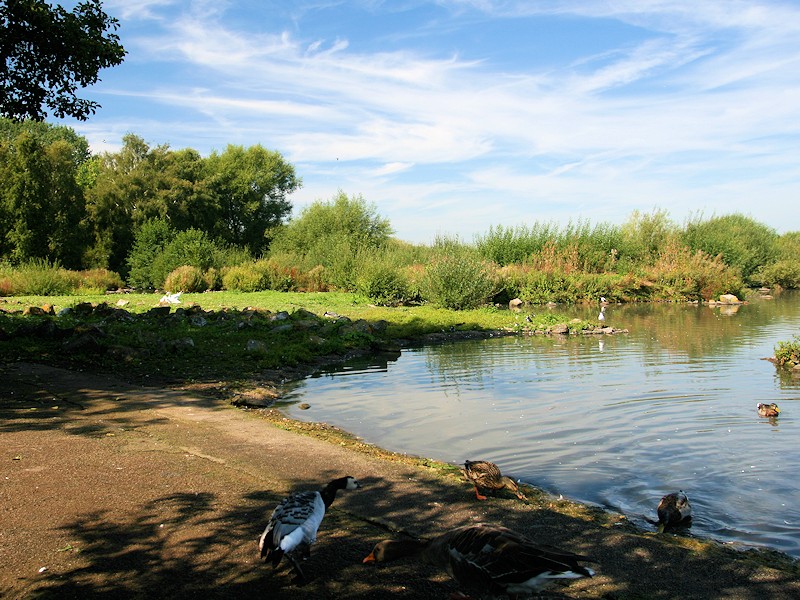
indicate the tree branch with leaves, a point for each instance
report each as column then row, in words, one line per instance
column 47, row 54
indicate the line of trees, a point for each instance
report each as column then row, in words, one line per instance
column 222, row 221
column 59, row 203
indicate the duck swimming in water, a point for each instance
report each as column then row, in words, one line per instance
column 768, row 410
column 673, row 509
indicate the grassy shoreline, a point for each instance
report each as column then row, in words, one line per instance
column 224, row 335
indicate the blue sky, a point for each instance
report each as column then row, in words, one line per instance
column 455, row 115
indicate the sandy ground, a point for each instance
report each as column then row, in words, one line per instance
column 109, row 490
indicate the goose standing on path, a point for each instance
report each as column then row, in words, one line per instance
column 489, row 559
column 486, row 475
column 673, row 509
column 293, row 526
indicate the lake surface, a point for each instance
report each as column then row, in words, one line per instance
column 613, row 420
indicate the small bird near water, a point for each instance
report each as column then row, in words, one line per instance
column 602, row 316
column 488, row 559
column 485, row 475
column 768, row 410
column 674, row 509
column 293, row 526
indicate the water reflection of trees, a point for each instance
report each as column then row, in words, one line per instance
column 680, row 329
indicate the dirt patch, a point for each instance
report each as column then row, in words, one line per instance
column 121, row 491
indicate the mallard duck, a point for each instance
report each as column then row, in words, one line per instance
column 768, row 410
column 673, row 509
column 293, row 526
column 488, row 559
column 486, row 475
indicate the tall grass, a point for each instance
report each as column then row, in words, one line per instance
column 39, row 277
column 647, row 258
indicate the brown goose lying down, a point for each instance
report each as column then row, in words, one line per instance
column 487, row 559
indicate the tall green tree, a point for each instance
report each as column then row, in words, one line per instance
column 42, row 211
column 236, row 197
column 47, row 53
column 343, row 217
column 251, row 188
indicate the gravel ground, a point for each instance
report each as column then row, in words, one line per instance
column 109, row 490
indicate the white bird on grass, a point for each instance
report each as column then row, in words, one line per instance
column 171, row 298
column 293, row 526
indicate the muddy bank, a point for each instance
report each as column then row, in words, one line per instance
column 114, row 490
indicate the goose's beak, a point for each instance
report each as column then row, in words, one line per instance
column 370, row 558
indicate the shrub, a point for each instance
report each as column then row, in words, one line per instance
column 383, row 284
column 740, row 241
column 6, row 286
column 98, row 280
column 315, row 280
column 40, row 278
column 457, row 278
column 683, row 274
column 186, row 279
column 191, row 247
column 785, row 273
column 351, row 219
column 244, row 278
column 541, row 287
column 213, row 279
column 788, row 352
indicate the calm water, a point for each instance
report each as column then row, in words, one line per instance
column 613, row 420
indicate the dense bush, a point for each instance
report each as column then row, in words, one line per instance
column 382, row 280
column 40, row 278
column 788, row 352
column 332, row 234
column 457, row 277
column 244, row 278
column 186, row 278
column 740, row 241
column 784, row 273
column 98, row 281
column 683, row 274
column 191, row 247
column 645, row 235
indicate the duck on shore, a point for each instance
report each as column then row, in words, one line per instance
column 293, row 526
column 485, row 475
column 488, row 559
